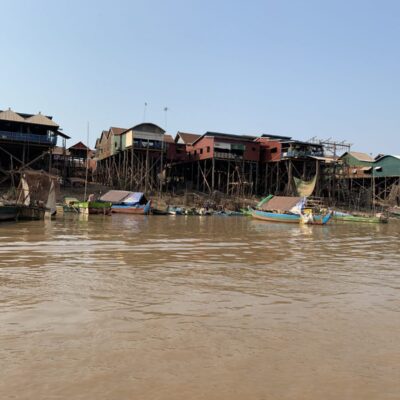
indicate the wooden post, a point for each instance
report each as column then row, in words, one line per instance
column 213, row 175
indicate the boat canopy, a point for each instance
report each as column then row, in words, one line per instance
column 284, row 204
column 123, row 197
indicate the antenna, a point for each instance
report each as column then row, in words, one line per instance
column 144, row 111
column 165, row 118
column 87, row 161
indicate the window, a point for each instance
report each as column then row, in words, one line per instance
column 195, row 152
column 274, row 150
column 208, row 149
column 201, row 151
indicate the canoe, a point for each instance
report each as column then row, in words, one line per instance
column 8, row 212
column 138, row 209
column 358, row 218
column 290, row 218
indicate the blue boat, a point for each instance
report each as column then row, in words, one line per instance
column 288, row 210
column 125, row 202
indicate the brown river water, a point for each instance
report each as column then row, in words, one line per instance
column 163, row 307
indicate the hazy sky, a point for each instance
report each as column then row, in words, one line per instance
column 299, row 68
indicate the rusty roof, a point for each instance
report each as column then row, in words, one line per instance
column 168, row 139
column 187, row 138
column 117, row 131
column 79, row 146
column 360, row 156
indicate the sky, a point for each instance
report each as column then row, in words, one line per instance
column 310, row 68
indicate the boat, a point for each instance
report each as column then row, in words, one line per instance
column 140, row 209
column 288, row 210
column 8, row 212
column 346, row 217
column 94, row 207
column 175, row 210
column 37, row 195
column 126, row 202
column 70, row 204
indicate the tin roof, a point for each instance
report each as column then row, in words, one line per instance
column 41, row 119
column 117, row 131
column 359, row 156
column 226, row 136
column 38, row 119
column 10, row 115
column 168, row 139
column 79, row 146
column 187, row 138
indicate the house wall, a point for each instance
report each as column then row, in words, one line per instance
column 390, row 167
column 210, row 147
column 270, row 150
column 351, row 161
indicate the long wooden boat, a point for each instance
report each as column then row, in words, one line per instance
column 8, row 212
column 139, row 209
column 290, row 218
column 288, row 209
column 31, row 213
column 343, row 217
column 94, row 207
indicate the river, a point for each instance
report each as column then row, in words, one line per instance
column 165, row 307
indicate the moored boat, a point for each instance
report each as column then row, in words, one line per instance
column 94, row 207
column 139, row 209
column 288, row 210
column 346, row 217
column 125, row 202
column 8, row 212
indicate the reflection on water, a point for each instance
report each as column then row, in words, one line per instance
column 198, row 308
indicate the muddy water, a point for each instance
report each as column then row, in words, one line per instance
column 198, row 308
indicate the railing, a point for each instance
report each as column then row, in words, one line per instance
column 294, row 153
column 230, row 156
column 28, row 138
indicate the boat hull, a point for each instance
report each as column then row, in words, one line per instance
column 31, row 213
column 289, row 218
column 355, row 218
column 94, row 207
column 136, row 210
column 8, row 213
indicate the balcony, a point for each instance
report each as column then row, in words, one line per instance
column 302, row 153
column 28, row 138
column 227, row 156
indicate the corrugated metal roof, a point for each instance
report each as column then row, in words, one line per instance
column 79, row 146
column 41, row 119
column 117, row 131
column 388, row 155
column 360, row 156
column 10, row 115
column 168, row 139
column 188, row 138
